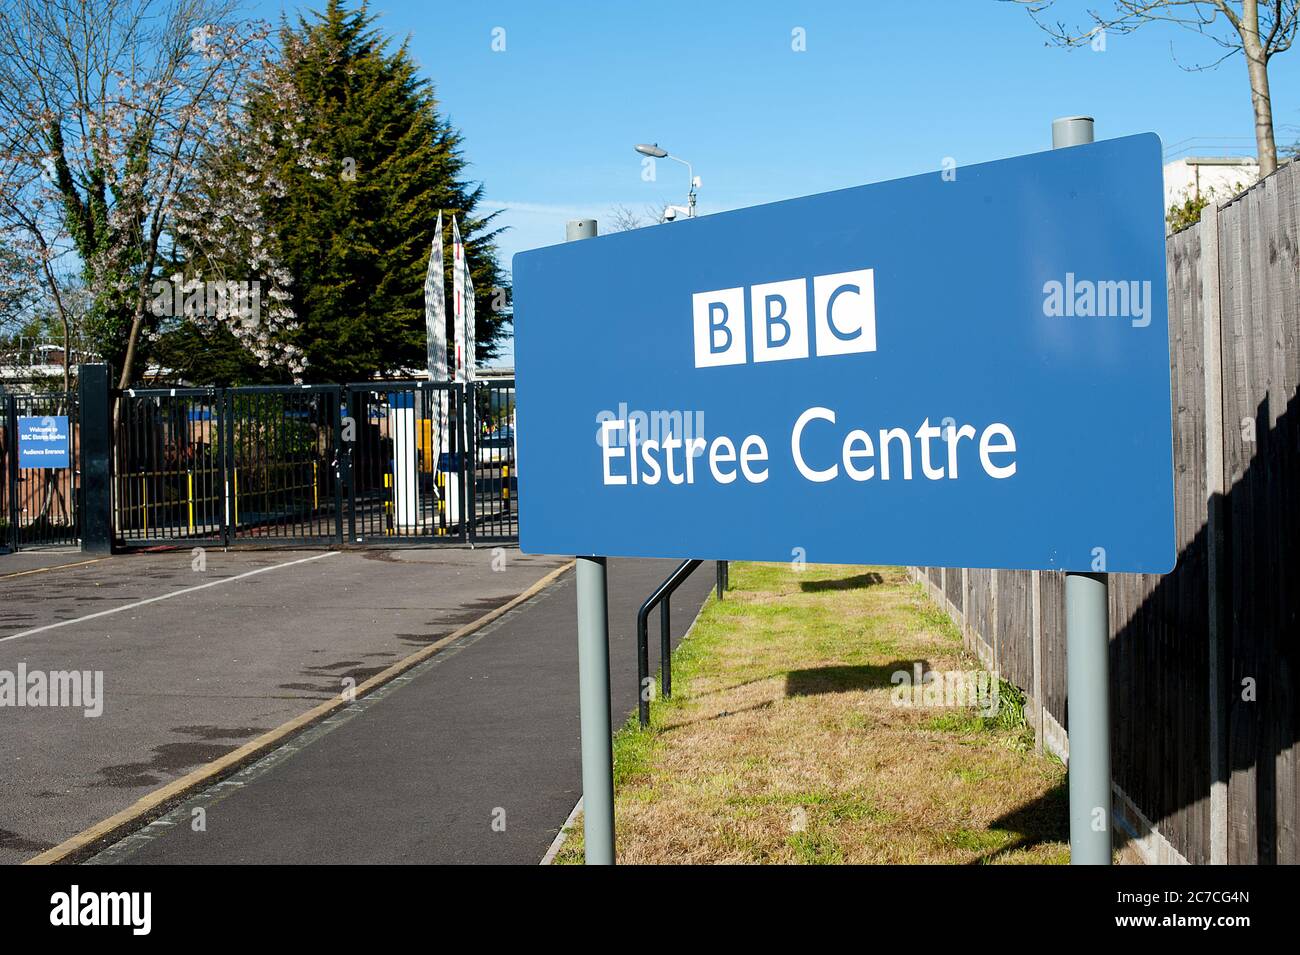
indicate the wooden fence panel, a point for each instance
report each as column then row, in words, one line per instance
column 1015, row 621
column 1159, row 624
column 1260, row 306
column 952, row 588
column 1052, row 584
column 1162, row 698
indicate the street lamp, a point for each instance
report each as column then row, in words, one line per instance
column 653, row 150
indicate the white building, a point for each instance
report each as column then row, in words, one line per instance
column 1197, row 176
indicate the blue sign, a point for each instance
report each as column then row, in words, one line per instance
column 43, row 442
column 968, row 368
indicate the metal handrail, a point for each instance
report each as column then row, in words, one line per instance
column 661, row 595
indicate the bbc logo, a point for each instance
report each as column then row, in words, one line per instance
column 844, row 319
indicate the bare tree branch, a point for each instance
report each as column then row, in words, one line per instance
column 1259, row 29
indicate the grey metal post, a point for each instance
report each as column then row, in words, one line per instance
column 579, row 229
column 593, row 683
column 1071, row 131
column 593, row 703
column 1087, row 664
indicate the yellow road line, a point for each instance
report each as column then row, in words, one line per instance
column 151, row 803
column 41, row 570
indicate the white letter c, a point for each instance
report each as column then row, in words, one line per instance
column 819, row 477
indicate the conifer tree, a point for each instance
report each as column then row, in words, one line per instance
column 356, row 232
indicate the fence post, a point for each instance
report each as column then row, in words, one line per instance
column 9, row 409
column 1215, row 492
column 1036, row 637
column 965, row 608
column 994, row 623
column 95, row 412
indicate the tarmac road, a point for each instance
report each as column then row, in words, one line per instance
column 197, row 660
column 471, row 757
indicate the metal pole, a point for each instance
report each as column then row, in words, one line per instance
column 593, row 683
column 666, row 647
column 1087, row 648
column 660, row 597
column 593, row 697
column 1071, row 131
column 643, row 667
column 1087, row 664
column 722, row 578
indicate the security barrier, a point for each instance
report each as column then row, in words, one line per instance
column 376, row 462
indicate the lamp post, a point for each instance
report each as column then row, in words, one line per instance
column 652, row 150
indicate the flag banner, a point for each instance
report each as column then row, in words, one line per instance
column 435, row 331
column 458, row 300
column 469, row 322
column 435, row 312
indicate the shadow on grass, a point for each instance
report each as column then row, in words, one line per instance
column 673, row 726
column 845, row 679
column 856, row 582
column 1046, row 819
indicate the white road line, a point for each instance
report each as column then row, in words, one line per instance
column 175, row 593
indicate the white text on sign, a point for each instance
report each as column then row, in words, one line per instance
column 843, row 319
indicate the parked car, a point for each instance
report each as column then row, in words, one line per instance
column 497, row 447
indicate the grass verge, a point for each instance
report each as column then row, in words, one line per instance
column 788, row 741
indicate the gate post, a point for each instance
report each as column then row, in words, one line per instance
column 96, row 415
column 469, row 479
column 9, row 409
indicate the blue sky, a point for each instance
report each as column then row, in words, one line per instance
column 883, row 89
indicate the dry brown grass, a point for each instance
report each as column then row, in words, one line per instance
column 784, row 746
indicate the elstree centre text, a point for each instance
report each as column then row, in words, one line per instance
column 891, row 453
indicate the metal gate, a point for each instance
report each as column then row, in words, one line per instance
column 493, row 486
column 39, row 503
column 388, row 462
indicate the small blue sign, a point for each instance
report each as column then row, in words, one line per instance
column 968, row 368
column 43, row 442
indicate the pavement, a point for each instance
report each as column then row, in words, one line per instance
column 471, row 757
column 198, row 653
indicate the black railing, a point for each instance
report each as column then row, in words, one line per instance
column 662, row 596
column 380, row 462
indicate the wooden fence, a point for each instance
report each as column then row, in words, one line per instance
column 1204, row 660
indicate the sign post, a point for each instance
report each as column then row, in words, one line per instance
column 967, row 368
column 593, row 683
column 1087, row 663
